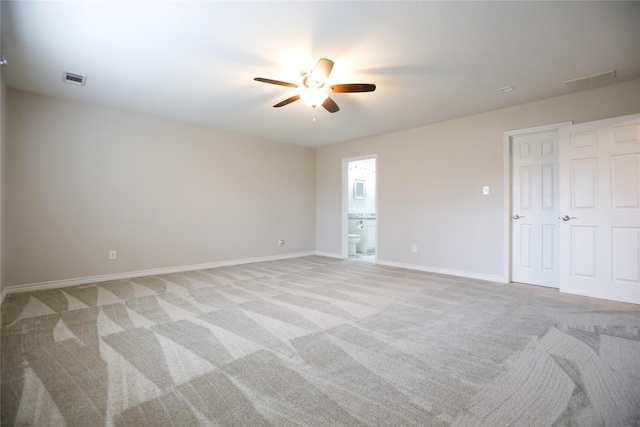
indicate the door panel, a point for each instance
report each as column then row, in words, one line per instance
column 625, row 175
column 600, row 200
column 549, row 245
column 626, row 252
column 583, row 183
column 549, row 185
column 583, row 251
column 525, row 188
column 525, row 246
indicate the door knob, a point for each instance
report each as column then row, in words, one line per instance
column 567, row 218
column 516, row 216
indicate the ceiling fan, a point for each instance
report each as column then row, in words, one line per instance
column 314, row 89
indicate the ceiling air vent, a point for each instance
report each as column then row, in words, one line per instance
column 74, row 79
column 591, row 79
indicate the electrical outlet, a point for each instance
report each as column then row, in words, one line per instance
column 112, row 255
column 414, row 248
column 281, row 242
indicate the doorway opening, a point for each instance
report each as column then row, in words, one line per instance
column 360, row 219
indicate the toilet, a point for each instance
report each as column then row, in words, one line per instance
column 353, row 239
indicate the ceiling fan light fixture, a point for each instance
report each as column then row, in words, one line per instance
column 313, row 88
column 313, row 96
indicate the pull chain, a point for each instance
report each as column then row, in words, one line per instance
column 315, row 113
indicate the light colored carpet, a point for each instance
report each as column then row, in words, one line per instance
column 319, row 342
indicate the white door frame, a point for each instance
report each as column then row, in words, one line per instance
column 345, row 203
column 507, row 191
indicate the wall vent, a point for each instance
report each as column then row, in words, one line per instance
column 591, row 79
column 74, row 79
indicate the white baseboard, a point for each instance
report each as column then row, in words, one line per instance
column 55, row 284
column 437, row 270
column 330, row 255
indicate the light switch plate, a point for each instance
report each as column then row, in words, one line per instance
column 485, row 190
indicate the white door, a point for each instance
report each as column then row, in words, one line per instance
column 535, row 208
column 600, row 208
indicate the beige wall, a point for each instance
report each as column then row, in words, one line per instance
column 430, row 182
column 82, row 180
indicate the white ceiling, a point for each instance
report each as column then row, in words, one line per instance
column 431, row 61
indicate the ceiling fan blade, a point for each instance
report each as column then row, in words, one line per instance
column 287, row 101
column 322, row 70
column 274, row 82
column 352, row 87
column 330, row 105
